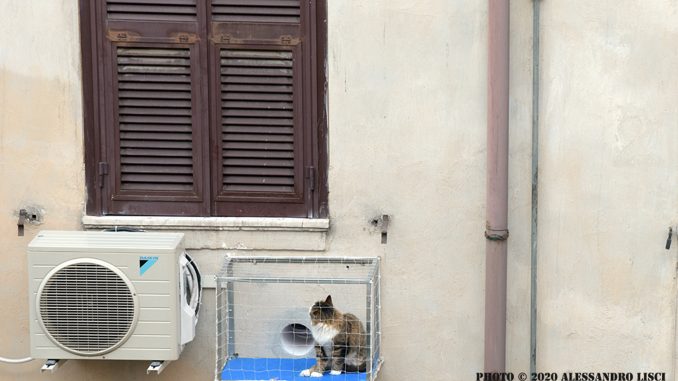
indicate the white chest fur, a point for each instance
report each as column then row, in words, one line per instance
column 323, row 333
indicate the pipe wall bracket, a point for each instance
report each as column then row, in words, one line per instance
column 497, row 235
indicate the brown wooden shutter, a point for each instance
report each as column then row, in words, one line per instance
column 156, row 135
column 205, row 107
column 262, row 164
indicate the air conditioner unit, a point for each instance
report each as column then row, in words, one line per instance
column 111, row 295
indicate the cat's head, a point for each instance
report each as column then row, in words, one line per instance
column 322, row 311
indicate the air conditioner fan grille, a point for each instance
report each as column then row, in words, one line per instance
column 87, row 308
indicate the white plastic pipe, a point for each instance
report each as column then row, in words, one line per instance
column 16, row 361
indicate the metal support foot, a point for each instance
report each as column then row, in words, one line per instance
column 157, row 367
column 51, row 365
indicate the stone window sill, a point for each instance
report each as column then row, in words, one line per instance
column 228, row 233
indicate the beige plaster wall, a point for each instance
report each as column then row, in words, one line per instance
column 609, row 165
column 407, row 138
column 41, row 156
column 407, row 102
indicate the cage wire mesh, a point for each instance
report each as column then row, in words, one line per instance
column 264, row 325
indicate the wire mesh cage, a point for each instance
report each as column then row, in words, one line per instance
column 291, row 318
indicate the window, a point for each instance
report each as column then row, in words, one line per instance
column 205, row 107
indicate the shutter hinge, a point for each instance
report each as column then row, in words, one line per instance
column 311, row 176
column 103, row 171
column 129, row 36
column 289, row 40
column 122, row 36
column 185, row 38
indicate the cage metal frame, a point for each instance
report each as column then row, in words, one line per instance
column 225, row 312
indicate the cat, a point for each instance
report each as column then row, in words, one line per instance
column 340, row 341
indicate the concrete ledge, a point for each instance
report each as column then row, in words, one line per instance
column 230, row 233
column 209, row 223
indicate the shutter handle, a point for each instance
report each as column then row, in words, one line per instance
column 382, row 222
column 23, row 217
column 668, row 240
column 27, row 215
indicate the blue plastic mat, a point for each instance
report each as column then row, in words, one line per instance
column 272, row 369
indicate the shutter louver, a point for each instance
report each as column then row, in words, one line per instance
column 256, row 11
column 166, row 10
column 257, row 120
column 154, row 108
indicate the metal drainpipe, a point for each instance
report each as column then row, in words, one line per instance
column 497, row 185
column 535, row 183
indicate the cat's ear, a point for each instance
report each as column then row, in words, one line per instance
column 329, row 300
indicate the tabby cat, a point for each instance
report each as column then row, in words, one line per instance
column 340, row 341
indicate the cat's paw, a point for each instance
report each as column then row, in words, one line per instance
column 310, row 373
column 335, row 372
